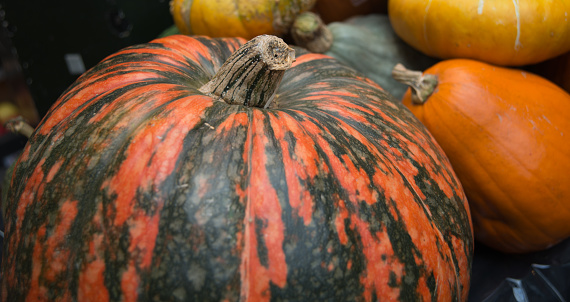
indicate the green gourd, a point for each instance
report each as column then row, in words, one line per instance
column 366, row 43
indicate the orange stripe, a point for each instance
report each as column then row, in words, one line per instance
column 130, row 284
column 309, row 57
column 56, row 250
column 301, row 169
column 152, row 154
column 262, row 203
column 91, row 277
column 37, row 292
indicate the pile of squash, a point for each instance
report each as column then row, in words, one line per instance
column 503, row 127
column 497, row 103
column 299, row 150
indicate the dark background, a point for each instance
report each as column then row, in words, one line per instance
column 44, row 32
column 36, row 37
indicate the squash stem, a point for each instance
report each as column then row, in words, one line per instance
column 309, row 31
column 19, row 125
column 252, row 73
column 422, row 85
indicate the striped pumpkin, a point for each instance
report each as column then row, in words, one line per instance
column 161, row 174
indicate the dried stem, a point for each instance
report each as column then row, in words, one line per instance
column 422, row 85
column 252, row 74
column 19, row 125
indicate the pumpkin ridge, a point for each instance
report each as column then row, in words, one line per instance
column 289, row 142
column 358, row 128
column 265, row 207
column 327, row 162
column 335, row 140
column 288, row 213
column 443, row 238
column 198, row 286
column 112, row 284
column 131, row 54
column 101, row 100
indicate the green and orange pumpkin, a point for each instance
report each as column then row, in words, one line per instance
column 164, row 174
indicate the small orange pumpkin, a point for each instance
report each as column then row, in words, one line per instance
column 236, row 18
column 505, row 132
column 502, row 32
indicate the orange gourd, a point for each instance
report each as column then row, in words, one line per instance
column 236, row 18
column 505, row 132
column 502, row 32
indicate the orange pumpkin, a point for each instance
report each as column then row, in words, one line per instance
column 505, row 132
column 502, row 32
column 236, row 18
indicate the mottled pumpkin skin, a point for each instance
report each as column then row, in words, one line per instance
column 236, row 18
column 136, row 186
column 501, row 32
column 505, row 133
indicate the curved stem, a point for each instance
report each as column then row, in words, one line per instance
column 309, row 31
column 19, row 125
column 422, row 85
column 252, row 73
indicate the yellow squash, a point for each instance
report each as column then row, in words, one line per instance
column 236, row 18
column 503, row 32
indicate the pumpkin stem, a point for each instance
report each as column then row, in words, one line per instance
column 19, row 125
column 309, row 31
column 422, row 85
column 252, row 73
column 285, row 12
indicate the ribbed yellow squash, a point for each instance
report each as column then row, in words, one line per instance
column 236, row 18
column 502, row 32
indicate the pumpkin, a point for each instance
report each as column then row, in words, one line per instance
column 164, row 173
column 236, row 18
column 340, row 10
column 366, row 43
column 505, row 133
column 501, row 32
